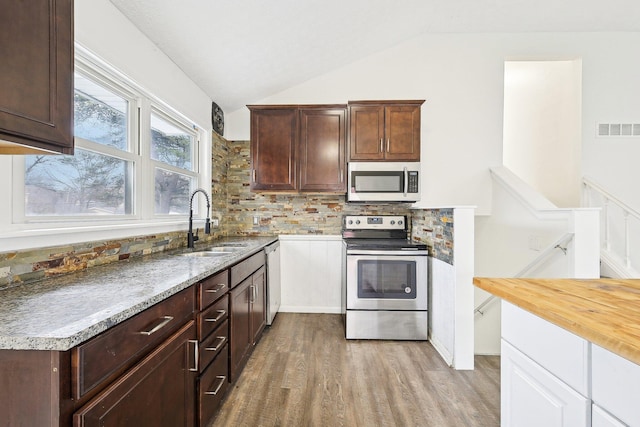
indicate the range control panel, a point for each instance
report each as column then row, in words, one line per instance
column 374, row 222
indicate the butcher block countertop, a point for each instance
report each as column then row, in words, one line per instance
column 603, row 311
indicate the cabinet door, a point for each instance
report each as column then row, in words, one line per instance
column 273, row 144
column 402, row 132
column 36, row 106
column 258, row 304
column 321, row 155
column 366, row 132
column 240, row 326
column 533, row 397
column 601, row 418
column 159, row 391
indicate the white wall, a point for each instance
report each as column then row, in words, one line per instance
column 461, row 78
column 541, row 140
column 100, row 27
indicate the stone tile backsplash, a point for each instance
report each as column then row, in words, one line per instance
column 236, row 207
column 435, row 228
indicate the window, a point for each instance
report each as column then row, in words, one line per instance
column 98, row 178
column 172, row 152
column 136, row 161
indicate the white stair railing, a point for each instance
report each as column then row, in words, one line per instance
column 609, row 201
column 543, row 256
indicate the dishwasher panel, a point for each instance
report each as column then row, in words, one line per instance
column 273, row 281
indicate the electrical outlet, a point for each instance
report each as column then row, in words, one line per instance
column 256, row 220
column 216, row 222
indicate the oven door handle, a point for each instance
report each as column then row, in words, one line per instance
column 399, row 252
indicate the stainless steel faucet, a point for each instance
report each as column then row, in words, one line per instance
column 191, row 239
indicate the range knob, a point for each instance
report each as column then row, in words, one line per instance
column 393, row 222
column 350, row 222
column 357, row 221
column 400, row 222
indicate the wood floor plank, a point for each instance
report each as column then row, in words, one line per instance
column 304, row 373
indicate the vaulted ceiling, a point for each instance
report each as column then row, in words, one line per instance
column 241, row 51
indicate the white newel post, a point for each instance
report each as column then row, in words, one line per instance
column 585, row 261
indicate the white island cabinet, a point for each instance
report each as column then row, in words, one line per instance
column 544, row 373
column 552, row 377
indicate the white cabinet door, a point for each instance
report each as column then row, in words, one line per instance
column 533, row 397
column 311, row 273
column 601, row 418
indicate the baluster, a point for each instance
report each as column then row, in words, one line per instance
column 627, row 259
column 605, row 217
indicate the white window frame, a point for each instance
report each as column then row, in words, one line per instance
column 22, row 232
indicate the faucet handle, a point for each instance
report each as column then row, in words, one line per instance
column 207, row 226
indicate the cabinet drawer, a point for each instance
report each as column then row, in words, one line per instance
column 242, row 270
column 212, row 288
column 212, row 387
column 112, row 352
column 212, row 317
column 616, row 385
column 213, row 345
column 561, row 352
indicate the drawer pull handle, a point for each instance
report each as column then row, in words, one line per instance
column 220, row 287
column 196, row 360
column 165, row 321
column 222, row 340
column 222, row 379
column 221, row 314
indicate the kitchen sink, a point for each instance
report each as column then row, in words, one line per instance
column 206, row 253
column 223, row 249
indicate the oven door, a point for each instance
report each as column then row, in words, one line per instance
column 386, row 280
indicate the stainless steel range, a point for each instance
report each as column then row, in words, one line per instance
column 385, row 280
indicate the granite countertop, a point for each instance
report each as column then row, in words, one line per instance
column 603, row 311
column 62, row 312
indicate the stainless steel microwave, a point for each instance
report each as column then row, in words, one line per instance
column 383, row 182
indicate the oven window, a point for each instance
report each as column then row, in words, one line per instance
column 386, row 279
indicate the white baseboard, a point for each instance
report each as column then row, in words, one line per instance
column 309, row 309
column 442, row 350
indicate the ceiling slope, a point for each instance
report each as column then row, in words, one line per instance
column 242, row 51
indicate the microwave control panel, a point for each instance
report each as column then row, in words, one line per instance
column 412, row 182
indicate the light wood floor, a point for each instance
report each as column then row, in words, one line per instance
column 304, row 373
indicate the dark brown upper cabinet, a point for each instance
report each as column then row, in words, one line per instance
column 384, row 130
column 36, row 77
column 298, row 148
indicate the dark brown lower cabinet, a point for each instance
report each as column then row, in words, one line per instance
column 248, row 319
column 168, row 366
column 158, row 391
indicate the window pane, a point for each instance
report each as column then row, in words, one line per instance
column 100, row 115
column 172, row 192
column 171, row 144
column 83, row 184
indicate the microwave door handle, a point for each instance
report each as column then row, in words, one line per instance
column 406, row 181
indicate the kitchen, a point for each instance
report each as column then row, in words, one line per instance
column 95, row 20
